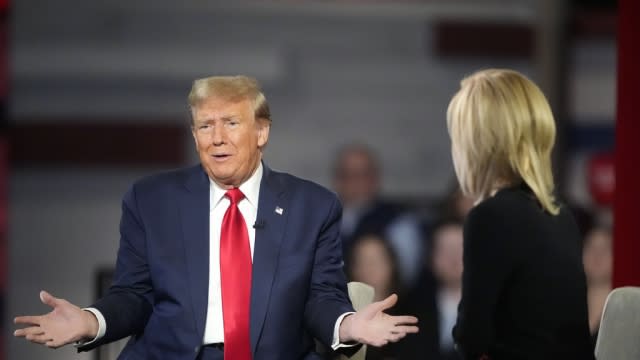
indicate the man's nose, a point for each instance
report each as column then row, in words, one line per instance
column 218, row 136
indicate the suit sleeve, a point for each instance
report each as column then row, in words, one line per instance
column 328, row 297
column 487, row 264
column 127, row 305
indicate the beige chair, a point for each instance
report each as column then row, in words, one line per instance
column 619, row 334
column 360, row 295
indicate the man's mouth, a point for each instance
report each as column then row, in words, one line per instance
column 221, row 157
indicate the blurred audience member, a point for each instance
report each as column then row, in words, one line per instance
column 373, row 262
column 356, row 176
column 598, row 264
column 456, row 205
column 447, row 270
column 435, row 300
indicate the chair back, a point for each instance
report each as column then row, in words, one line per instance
column 360, row 295
column 619, row 334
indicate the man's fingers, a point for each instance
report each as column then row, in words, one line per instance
column 403, row 329
column 395, row 337
column 379, row 343
column 54, row 344
column 28, row 320
column 38, row 339
column 405, row 320
column 33, row 330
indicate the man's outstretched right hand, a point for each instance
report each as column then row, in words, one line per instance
column 65, row 324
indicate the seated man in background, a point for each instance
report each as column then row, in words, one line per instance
column 356, row 179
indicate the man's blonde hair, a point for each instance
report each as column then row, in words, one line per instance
column 231, row 88
column 502, row 133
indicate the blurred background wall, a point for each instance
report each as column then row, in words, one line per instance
column 98, row 92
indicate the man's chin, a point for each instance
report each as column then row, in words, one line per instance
column 223, row 179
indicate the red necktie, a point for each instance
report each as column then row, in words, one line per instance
column 235, row 277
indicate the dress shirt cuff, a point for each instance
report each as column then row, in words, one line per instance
column 336, row 344
column 102, row 327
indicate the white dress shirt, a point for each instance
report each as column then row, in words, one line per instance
column 218, row 204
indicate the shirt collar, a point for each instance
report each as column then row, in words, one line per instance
column 250, row 189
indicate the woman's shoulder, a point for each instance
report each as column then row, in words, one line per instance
column 517, row 210
column 502, row 204
column 512, row 199
column 508, row 209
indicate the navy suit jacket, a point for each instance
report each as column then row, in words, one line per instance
column 159, row 292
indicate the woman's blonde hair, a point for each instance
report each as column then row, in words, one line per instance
column 502, row 133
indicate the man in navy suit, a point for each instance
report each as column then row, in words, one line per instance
column 225, row 259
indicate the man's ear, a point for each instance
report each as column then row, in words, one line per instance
column 195, row 138
column 263, row 126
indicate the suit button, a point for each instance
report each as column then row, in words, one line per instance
column 196, row 349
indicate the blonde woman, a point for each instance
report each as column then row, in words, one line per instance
column 523, row 287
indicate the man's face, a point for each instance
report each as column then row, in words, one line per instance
column 356, row 181
column 229, row 139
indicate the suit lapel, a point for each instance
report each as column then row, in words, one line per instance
column 194, row 214
column 272, row 212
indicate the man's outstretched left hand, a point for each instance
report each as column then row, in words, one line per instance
column 372, row 326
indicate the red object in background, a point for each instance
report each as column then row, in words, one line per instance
column 626, row 241
column 4, row 174
column 601, row 178
column 4, row 38
column 4, row 53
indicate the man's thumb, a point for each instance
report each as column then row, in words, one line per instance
column 387, row 303
column 48, row 299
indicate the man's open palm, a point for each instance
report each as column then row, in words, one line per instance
column 65, row 324
column 372, row 326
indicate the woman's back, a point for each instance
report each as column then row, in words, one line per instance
column 524, row 289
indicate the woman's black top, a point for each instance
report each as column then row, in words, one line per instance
column 524, row 290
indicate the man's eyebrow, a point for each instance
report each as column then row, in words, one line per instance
column 223, row 118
